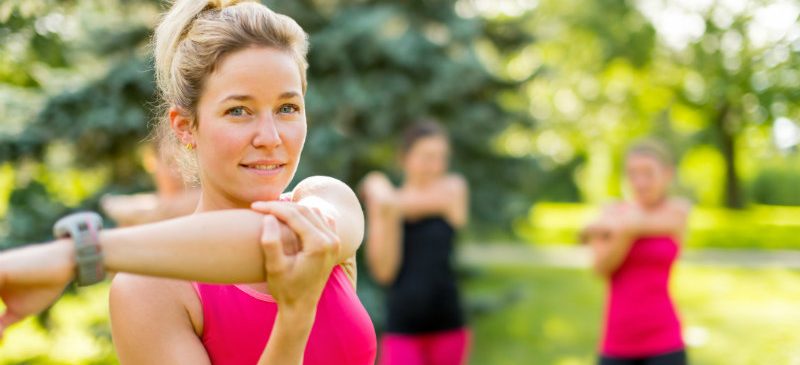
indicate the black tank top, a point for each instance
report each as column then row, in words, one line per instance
column 424, row 297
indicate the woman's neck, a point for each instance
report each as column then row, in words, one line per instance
column 654, row 205
column 210, row 202
column 416, row 183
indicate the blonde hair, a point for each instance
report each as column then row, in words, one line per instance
column 191, row 40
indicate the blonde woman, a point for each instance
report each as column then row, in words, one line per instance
column 232, row 76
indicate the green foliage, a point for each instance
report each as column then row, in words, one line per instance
column 758, row 227
column 777, row 186
column 609, row 72
column 375, row 67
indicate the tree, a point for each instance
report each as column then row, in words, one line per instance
column 376, row 66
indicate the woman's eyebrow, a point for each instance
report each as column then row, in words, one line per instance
column 237, row 98
column 286, row 95
column 289, row 95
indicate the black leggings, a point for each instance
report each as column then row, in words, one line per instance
column 672, row 358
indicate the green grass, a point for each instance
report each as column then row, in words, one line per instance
column 758, row 227
column 731, row 316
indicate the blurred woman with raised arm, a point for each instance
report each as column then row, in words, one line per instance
column 410, row 246
column 635, row 245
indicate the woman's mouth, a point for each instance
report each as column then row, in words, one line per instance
column 264, row 169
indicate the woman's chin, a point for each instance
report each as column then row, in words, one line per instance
column 266, row 196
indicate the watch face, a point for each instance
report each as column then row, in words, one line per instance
column 76, row 222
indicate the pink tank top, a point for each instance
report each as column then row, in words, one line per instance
column 641, row 319
column 237, row 322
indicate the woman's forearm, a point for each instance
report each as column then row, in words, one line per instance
column 669, row 220
column 287, row 341
column 609, row 257
column 220, row 246
column 38, row 264
column 384, row 248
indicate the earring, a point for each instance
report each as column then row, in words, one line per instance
column 189, row 146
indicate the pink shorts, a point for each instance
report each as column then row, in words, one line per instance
column 437, row 348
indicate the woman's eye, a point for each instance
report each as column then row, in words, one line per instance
column 288, row 109
column 237, row 111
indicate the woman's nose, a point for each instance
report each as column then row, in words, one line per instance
column 267, row 134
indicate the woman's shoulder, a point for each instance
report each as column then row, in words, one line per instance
column 679, row 204
column 124, row 282
column 453, row 183
column 455, row 179
column 168, row 300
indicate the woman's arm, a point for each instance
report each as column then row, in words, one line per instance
column 156, row 321
column 610, row 247
column 221, row 246
column 339, row 206
column 610, row 240
column 218, row 247
column 338, row 203
column 384, row 248
column 612, row 235
column 296, row 281
column 131, row 210
column 667, row 220
column 448, row 197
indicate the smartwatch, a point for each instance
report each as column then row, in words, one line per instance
column 83, row 229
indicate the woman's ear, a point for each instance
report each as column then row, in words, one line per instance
column 182, row 125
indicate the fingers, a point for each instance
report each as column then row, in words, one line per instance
column 271, row 245
column 328, row 220
column 315, row 234
column 291, row 215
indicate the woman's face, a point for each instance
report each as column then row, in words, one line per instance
column 648, row 177
column 427, row 159
column 251, row 127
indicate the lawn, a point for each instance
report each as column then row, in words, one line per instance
column 731, row 316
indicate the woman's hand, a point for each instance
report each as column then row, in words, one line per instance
column 379, row 191
column 32, row 278
column 297, row 280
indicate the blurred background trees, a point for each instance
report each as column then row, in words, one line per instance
column 541, row 98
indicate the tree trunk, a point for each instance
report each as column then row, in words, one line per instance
column 727, row 144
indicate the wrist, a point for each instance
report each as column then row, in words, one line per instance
column 298, row 318
column 39, row 264
column 61, row 257
column 82, row 229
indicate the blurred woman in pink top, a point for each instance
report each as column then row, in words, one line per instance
column 635, row 245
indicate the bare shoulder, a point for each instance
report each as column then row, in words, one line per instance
column 155, row 314
column 612, row 207
column 456, row 180
column 318, row 183
column 455, row 184
column 172, row 302
column 680, row 205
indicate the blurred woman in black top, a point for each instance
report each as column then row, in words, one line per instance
column 410, row 251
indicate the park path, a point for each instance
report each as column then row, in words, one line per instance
column 574, row 256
